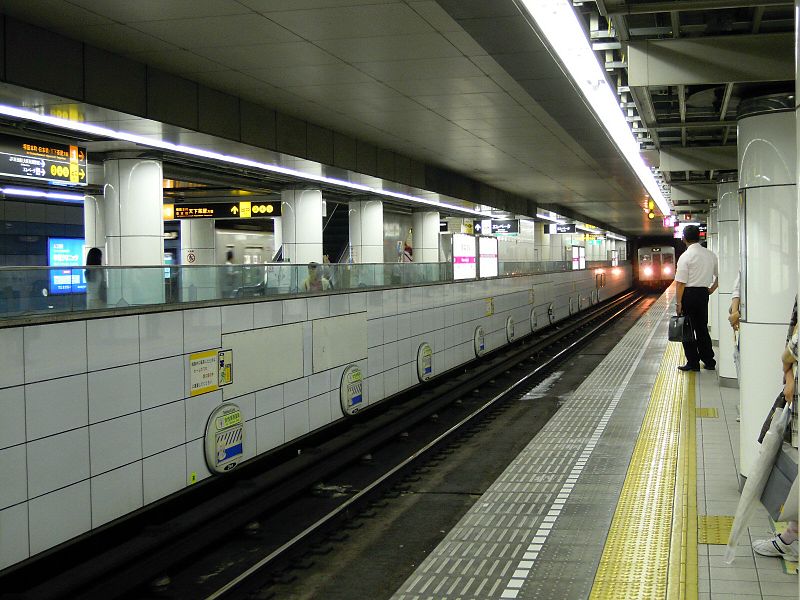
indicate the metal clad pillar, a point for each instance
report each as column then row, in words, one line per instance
column 366, row 230
column 426, row 236
column 713, row 301
column 94, row 224
column 728, row 223
column 301, row 225
column 134, row 225
column 768, row 217
column 198, row 246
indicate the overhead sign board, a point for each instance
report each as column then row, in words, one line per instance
column 221, row 210
column 505, row 227
column 38, row 160
column 562, row 228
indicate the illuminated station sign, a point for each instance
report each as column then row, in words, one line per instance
column 43, row 161
column 222, row 210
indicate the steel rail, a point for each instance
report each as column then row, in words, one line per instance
column 404, row 464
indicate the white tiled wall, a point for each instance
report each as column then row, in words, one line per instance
column 97, row 420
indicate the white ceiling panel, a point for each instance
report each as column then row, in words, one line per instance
column 123, row 40
column 211, row 32
column 446, row 85
column 268, row 56
column 390, row 47
column 309, row 75
column 349, row 91
column 55, row 15
column 432, row 68
column 453, row 101
column 271, row 6
column 353, row 21
column 158, row 10
column 178, row 61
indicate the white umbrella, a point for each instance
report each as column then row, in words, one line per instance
column 757, row 479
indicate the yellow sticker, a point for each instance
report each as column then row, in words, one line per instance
column 489, row 307
column 192, row 477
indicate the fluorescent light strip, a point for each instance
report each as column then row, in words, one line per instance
column 18, row 113
column 557, row 20
column 29, row 193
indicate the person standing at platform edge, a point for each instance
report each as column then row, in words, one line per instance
column 696, row 278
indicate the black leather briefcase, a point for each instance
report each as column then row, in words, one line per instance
column 680, row 329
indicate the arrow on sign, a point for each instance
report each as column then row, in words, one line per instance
column 234, row 209
column 82, row 173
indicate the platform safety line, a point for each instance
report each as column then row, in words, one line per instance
column 682, row 577
column 524, row 566
column 651, row 548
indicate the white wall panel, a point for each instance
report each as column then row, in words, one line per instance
column 202, row 329
column 116, row 493
column 319, row 410
column 56, row 405
column 269, row 400
column 297, row 420
column 295, row 391
column 13, row 477
column 198, row 409
column 54, row 350
column 164, row 474
column 263, row 358
column 160, row 335
column 11, row 340
column 164, row 427
column 115, row 443
column 267, row 314
column 14, row 541
column 114, row 392
column 162, row 381
column 12, row 407
column 196, row 468
column 238, row 317
column 339, row 340
column 112, row 342
column 59, row 516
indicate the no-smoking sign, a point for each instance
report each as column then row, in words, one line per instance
column 190, row 257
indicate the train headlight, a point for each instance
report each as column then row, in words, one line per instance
column 667, row 270
column 648, row 271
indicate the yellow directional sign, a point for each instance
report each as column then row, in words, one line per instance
column 244, row 210
column 222, row 210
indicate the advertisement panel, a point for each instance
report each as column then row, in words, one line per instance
column 464, row 266
column 62, row 255
column 487, row 259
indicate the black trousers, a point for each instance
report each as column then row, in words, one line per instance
column 695, row 306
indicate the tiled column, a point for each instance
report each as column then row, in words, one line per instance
column 301, row 225
column 768, row 216
column 713, row 301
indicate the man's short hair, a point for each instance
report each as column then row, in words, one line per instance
column 691, row 233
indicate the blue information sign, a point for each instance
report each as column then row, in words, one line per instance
column 63, row 254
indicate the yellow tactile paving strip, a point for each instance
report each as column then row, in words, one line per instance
column 714, row 529
column 651, row 549
column 707, row 413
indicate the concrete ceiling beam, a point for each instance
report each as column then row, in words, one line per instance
column 684, row 5
column 693, row 61
column 698, row 158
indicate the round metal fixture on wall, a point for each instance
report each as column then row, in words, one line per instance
column 424, row 361
column 479, row 341
column 225, row 438
column 351, row 390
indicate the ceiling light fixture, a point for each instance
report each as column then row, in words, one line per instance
column 27, row 115
column 32, row 193
column 557, row 22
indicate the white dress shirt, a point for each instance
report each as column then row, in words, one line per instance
column 736, row 286
column 697, row 267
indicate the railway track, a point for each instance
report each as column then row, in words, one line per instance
column 266, row 516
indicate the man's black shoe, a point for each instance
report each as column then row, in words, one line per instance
column 710, row 366
column 688, row 367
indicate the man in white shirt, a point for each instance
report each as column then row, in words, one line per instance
column 696, row 278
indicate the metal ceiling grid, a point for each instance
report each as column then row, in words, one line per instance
column 721, row 52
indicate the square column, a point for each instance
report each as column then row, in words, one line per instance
column 301, row 225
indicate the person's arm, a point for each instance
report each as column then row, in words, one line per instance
column 789, row 360
column 679, row 287
column 715, row 285
column 733, row 313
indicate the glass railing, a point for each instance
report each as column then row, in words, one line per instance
column 45, row 290
column 37, row 290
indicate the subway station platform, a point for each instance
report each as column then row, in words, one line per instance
column 627, row 493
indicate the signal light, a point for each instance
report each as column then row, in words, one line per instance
column 651, row 215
